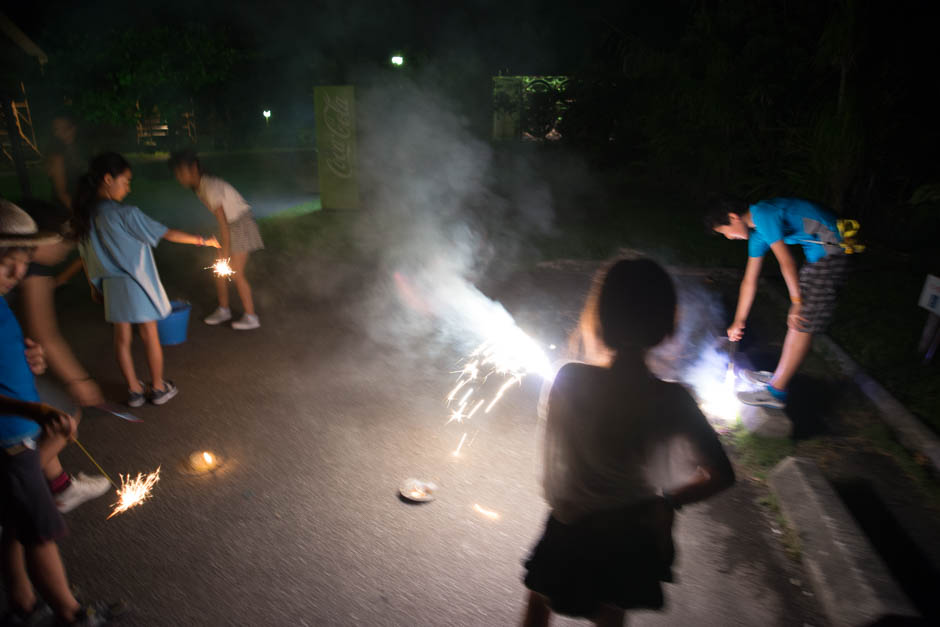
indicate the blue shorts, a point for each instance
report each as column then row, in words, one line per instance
column 27, row 508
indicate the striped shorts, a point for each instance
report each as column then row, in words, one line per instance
column 819, row 286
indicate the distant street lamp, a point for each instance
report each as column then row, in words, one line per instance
column 398, row 60
column 267, row 116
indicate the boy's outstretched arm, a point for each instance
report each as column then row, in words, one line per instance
column 225, row 242
column 792, row 279
column 745, row 297
column 182, row 237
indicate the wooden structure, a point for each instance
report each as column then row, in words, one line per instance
column 153, row 128
column 20, row 123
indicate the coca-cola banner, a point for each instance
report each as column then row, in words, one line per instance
column 336, row 146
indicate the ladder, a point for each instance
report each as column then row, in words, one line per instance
column 23, row 119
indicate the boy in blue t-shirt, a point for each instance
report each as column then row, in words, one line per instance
column 29, row 517
column 772, row 225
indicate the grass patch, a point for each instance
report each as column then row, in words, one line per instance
column 756, row 455
column 301, row 209
column 788, row 536
column 878, row 437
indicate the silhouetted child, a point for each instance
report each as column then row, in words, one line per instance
column 31, row 436
column 610, row 434
column 772, row 225
column 238, row 234
column 116, row 241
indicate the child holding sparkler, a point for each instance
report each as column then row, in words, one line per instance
column 116, row 241
column 772, row 225
column 31, row 436
column 607, row 545
column 238, row 234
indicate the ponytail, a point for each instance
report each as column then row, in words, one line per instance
column 86, row 193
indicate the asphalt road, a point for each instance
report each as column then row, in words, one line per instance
column 301, row 525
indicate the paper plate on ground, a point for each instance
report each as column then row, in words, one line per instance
column 417, row 491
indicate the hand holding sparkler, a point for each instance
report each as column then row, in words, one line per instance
column 736, row 331
column 56, row 422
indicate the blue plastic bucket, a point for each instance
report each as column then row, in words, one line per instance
column 172, row 329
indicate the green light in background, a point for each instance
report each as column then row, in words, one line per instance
column 398, row 60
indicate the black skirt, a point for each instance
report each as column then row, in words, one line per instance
column 618, row 558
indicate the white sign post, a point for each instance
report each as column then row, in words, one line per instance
column 930, row 300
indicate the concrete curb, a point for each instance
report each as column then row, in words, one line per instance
column 910, row 431
column 852, row 582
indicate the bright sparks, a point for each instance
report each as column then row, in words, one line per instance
column 508, row 355
column 221, row 268
column 719, row 399
column 479, row 509
column 463, row 439
column 135, row 491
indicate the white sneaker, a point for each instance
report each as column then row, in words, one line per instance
column 247, row 322
column 757, row 377
column 220, row 315
column 83, row 488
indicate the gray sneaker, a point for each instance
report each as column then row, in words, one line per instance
column 39, row 616
column 247, row 322
column 220, row 315
column 762, row 398
column 137, row 399
column 757, row 377
column 159, row 397
column 97, row 613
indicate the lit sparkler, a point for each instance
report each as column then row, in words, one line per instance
column 134, row 491
column 510, row 354
column 719, row 399
column 715, row 386
column 221, row 268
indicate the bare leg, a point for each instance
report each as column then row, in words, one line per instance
column 122, row 349
column 537, row 612
column 38, row 294
column 48, row 572
column 795, row 346
column 49, row 448
column 239, row 261
column 20, row 592
column 151, row 338
column 221, row 289
column 610, row 616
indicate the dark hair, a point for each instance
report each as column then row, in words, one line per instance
column 86, row 194
column 182, row 158
column 636, row 306
column 718, row 212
